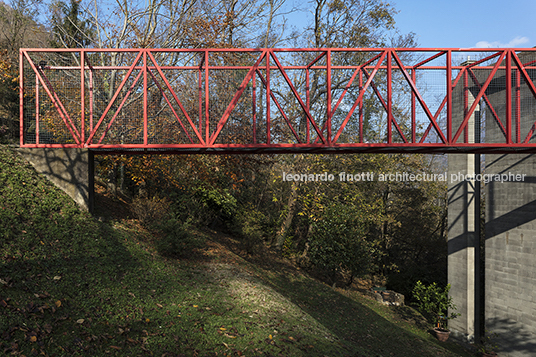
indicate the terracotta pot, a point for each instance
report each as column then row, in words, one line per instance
column 441, row 335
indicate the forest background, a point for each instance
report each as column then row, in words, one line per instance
column 384, row 232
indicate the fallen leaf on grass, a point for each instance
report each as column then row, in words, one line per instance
column 57, row 277
column 58, row 303
column 115, row 347
column 33, row 338
column 80, row 321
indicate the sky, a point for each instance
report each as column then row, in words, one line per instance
column 468, row 23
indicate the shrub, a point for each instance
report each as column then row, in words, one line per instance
column 249, row 225
column 175, row 239
column 217, row 200
column 338, row 243
column 151, row 210
column 434, row 303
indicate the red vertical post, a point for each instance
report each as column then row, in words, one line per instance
column 328, row 89
column 200, row 96
column 465, row 104
column 308, row 104
column 508, row 77
column 449, row 97
column 361, row 114
column 207, row 123
column 389, row 98
column 518, row 106
column 268, row 54
column 413, row 111
column 145, row 99
column 254, row 107
column 90, row 98
column 82, row 98
column 21, row 98
column 36, row 110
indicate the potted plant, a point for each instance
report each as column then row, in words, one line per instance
column 487, row 345
column 434, row 303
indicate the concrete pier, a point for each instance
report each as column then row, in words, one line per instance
column 72, row 170
column 463, row 248
column 464, row 223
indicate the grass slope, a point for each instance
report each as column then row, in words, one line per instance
column 73, row 286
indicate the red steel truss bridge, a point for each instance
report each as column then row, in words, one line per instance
column 279, row 100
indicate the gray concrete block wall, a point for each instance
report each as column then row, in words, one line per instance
column 510, row 255
column 510, row 238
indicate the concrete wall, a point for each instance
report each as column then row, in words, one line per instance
column 510, row 226
column 510, row 255
column 510, row 245
column 72, row 170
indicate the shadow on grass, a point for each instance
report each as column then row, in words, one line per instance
column 72, row 286
column 408, row 314
column 361, row 330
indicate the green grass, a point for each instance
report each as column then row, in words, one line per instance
column 73, row 286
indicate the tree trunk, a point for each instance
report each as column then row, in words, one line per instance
column 280, row 237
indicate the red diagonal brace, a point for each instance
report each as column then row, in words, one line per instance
column 478, row 97
column 360, row 97
column 419, row 97
column 235, row 99
column 177, row 100
column 529, row 82
column 347, row 87
column 272, row 95
column 121, row 107
column 170, row 106
column 385, row 106
column 114, row 98
column 296, row 94
column 55, row 100
column 488, row 102
column 443, row 103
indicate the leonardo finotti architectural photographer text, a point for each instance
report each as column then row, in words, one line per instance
column 401, row 176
